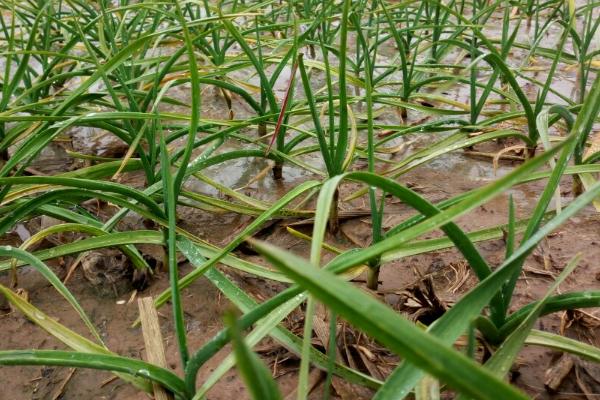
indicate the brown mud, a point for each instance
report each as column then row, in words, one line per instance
column 441, row 275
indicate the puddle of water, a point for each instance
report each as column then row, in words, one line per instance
column 237, row 173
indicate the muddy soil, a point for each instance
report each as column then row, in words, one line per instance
column 113, row 311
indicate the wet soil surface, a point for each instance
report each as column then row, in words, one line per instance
column 420, row 287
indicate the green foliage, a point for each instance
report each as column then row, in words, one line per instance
column 374, row 77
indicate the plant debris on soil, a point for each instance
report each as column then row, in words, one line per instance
column 410, row 145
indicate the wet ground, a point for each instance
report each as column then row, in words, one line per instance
column 443, row 274
column 204, row 306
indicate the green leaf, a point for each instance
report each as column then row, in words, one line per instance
column 561, row 343
column 170, row 194
column 455, row 321
column 389, row 328
column 249, row 230
column 123, row 366
column 254, row 373
column 266, row 325
column 501, row 361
